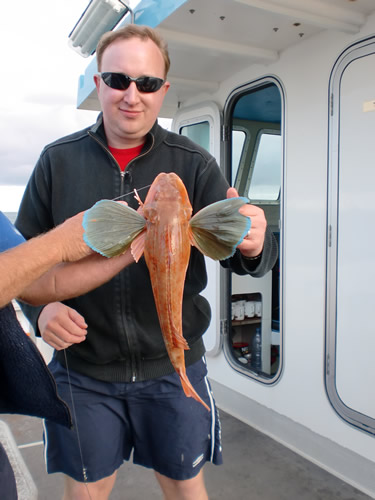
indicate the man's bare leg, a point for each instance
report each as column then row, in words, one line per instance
column 99, row 490
column 189, row 489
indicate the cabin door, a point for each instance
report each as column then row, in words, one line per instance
column 351, row 238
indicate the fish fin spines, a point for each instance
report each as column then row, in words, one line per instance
column 110, row 227
column 138, row 245
column 219, row 228
column 179, row 341
column 136, row 196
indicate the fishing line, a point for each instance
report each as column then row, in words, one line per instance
column 84, row 469
column 130, row 192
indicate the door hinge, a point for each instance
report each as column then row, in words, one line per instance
column 223, row 327
column 225, row 133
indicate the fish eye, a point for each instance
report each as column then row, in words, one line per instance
column 150, row 214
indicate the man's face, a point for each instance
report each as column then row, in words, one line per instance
column 129, row 114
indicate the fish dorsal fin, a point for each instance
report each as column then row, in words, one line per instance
column 110, row 227
column 219, row 228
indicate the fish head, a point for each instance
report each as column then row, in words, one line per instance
column 167, row 197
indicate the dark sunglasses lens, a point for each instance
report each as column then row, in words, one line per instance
column 116, row 80
column 120, row 81
column 149, row 84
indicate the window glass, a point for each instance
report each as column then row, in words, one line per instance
column 199, row 133
column 266, row 176
column 238, row 141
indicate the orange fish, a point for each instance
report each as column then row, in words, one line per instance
column 163, row 230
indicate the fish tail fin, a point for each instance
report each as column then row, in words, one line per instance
column 189, row 390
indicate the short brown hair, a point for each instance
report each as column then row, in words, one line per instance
column 133, row 31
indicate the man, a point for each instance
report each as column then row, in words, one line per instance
column 126, row 394
column 26, row 385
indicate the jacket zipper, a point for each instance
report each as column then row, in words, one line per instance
column 143, row 154
column 123, row 174
column 134, row 376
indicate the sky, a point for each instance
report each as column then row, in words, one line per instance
column 38, row 86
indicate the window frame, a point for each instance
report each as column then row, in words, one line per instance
column 227, row 155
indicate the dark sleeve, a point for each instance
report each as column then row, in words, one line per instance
column 259, row 266
column 35, row 213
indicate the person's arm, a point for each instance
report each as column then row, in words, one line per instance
column 71, row 279
column 21, row 265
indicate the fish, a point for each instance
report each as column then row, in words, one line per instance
column 164, row 230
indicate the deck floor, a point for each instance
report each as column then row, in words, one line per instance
column 255, row 467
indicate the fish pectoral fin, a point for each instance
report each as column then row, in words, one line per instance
column 219, row 228
column 110, row 227
column 138, row 245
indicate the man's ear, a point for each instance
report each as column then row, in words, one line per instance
column 166, row 87
column 97, row 82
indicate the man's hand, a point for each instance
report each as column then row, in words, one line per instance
column 61, row 326
column 69, row 238
column 252, row 245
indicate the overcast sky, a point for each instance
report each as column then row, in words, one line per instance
column 39, row 80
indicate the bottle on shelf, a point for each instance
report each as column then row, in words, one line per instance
column 256, row 351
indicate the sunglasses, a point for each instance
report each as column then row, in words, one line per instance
column 119, row 81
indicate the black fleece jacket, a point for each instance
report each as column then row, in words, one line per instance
column 124, row 340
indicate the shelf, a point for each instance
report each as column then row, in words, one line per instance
column 247, row 321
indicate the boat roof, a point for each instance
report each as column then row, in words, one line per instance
column 210, row 41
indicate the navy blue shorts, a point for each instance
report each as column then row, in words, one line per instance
column 154, row 420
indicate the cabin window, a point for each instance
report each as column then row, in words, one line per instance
column 253, row 345
column 199, row 133
column 266, row 176
column 238, row 142
column 350, row 297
